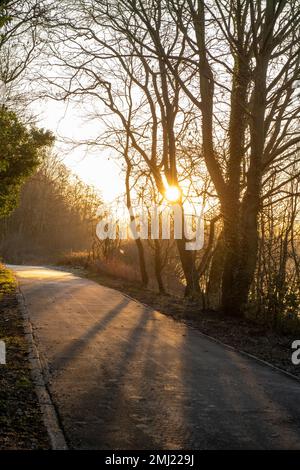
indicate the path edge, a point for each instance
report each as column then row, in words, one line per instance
column 186, row 322
column 48, row 410
column 216, row 340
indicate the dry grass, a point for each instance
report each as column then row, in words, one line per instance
column 7, row 281
column 75, row 259
column 113, row 267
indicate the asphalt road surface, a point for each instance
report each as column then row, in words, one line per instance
column 123, row 376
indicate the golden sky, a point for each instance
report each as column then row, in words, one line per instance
column 94, row 166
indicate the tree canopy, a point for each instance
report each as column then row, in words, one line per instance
column 21, row 150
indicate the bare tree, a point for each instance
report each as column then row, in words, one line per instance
column 20, row 40
column 155, row 129
column 232, row 66
column 245, row 57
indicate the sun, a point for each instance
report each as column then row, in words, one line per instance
column 172, row 193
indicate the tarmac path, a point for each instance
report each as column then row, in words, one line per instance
column 123, row 376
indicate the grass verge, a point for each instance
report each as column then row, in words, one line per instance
column 21, row 424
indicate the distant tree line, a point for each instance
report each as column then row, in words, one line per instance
column 56, row 214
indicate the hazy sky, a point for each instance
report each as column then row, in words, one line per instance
column 97, row 167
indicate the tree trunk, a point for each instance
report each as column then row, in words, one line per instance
column 138, row 241
column 158, row 267
column 230, row 277
column 240, row 260
column 241, row 224
column 188, row 262
column 142, row 262
column 215, row 275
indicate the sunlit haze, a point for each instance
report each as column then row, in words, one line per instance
column 96, row 167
